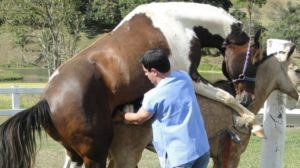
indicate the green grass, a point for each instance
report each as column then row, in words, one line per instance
column 9, row 75
column 250, row 159
column 51, row 154
column 26, row 100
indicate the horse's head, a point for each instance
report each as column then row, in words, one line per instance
column 240, row 59
column 278, row 72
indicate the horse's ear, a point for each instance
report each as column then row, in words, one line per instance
column 256, row 37
column 286, row 54
column 291, row 51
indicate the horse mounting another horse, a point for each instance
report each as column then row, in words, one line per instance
column 77, row 105
column 272, row 72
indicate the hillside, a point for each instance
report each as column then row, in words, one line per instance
column 11, row 55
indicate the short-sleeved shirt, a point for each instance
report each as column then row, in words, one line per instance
column 178, row 127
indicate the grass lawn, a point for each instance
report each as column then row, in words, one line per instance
column 5, row 99
column 51, row 154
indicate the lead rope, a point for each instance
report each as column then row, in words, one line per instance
column 242, row 76
column 250, row 4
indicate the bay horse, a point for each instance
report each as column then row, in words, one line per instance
column 273, row 72
column 77, row 104
column 276, row 71
column 254, row 91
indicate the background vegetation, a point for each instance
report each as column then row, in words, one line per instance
column 51, row 153
column 44, row 34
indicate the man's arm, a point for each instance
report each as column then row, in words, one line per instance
column 138, row 118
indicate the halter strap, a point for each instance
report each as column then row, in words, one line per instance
column 242, row 76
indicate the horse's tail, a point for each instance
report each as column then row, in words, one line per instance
column 17, row 136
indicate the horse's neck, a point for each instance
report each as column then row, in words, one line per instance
column 265, row 83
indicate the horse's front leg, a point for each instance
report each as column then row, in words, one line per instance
column 72, row 160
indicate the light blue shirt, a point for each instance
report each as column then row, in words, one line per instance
column 178, row 127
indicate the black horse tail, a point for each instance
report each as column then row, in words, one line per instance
column 18, row 136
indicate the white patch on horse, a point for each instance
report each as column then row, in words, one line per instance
column 69, row 164
column 56, row 72
column 176, row 20
column 67, row 88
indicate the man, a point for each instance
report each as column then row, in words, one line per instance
column 179, row 135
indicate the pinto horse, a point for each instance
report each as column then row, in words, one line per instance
column 273, row 72
column 77, row 105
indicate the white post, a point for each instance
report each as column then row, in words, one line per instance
column 274, row 120
column 15, row 98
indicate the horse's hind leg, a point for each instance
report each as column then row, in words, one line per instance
column 72, row 160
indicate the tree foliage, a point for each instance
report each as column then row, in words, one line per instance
column 249, row 7
column 108, row 13
column 54, row 24
column 287, row 25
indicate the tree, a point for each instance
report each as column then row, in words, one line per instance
column 288, row 24
column 54, row 24
column 242, row 11
column 108, row 13
column 225, row 4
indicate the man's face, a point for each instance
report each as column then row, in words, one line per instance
column 151, row 75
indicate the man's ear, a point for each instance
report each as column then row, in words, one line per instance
column 154, row 70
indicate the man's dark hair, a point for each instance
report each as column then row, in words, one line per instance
column 156, row 58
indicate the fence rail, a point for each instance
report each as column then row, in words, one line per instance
column 15, row 98
column 293, row 116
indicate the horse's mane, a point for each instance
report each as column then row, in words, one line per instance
column 237, row 36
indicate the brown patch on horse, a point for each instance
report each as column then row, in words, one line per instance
column 119, row 57
column 195, row 58
column 101, row 77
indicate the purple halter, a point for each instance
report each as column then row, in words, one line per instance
column 243, row 77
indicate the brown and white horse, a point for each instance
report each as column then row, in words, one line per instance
column 274, row 72
column 80, row 97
